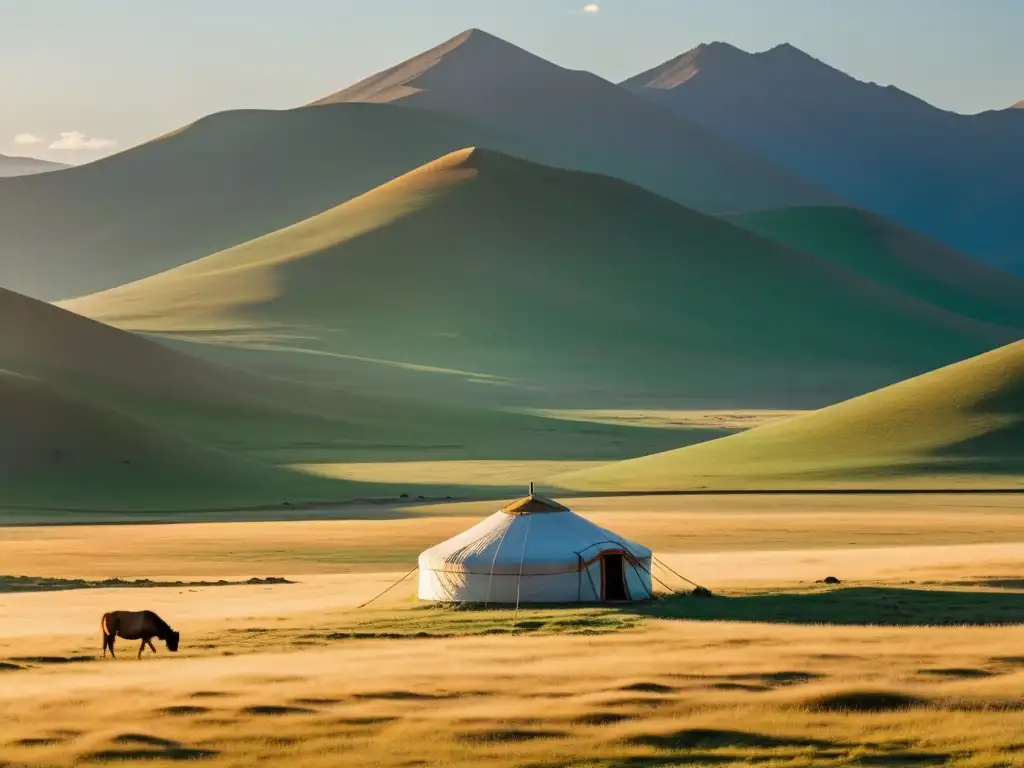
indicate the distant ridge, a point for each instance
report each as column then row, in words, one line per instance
column 584, row 123
column 951, row 176
column 27, row 166
column 961, row 426
column 460, row 264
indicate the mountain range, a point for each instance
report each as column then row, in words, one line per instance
column 234, row 176
column 425, row 265
column 464, row 263
column 583, row 123
column 955, row 177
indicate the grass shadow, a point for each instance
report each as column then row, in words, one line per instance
column 707, row 738
column 47, row 584
column 275, row 710
column 136, row 747
column 877, row 606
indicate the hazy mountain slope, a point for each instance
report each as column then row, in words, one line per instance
column 585, row 123
column 274, row 418
column 58, row 451
column 482, row 262
column 26, row 166
column 174, row 391
column 954, row 177
column 958, row 426
column 223, row 180
column 891, row 254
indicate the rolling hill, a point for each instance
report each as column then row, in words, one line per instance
column 583, row 123
column 959, row 426
column 891, row 254
column 26, row 166
column 552, row 280
column 171, row 391
column 276, row 420
column 59, row 452
column 954, row 177
column 221, row 181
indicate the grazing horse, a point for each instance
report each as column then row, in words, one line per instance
column 136, row 625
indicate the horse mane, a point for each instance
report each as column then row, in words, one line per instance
column 162, row 626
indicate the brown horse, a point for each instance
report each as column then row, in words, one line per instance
column 136, row 625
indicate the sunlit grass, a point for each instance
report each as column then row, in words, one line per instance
column 876, row 671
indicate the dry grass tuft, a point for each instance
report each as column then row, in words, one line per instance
column 865, row 702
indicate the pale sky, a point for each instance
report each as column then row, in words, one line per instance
column 79, row 79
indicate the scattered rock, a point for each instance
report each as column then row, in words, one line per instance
column 829, row 580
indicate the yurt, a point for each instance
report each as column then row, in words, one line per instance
column 535, row 551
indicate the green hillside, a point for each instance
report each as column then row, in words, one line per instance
column 528, row 278
column 58, row 451
column 959, row 426
column 93, row 417
column 893, row 255
column 223, row 180
column 208, row 402
column 283, row 421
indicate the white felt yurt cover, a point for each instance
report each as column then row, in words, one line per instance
column 534, row 551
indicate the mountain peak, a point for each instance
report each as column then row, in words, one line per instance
column 464, row 61
column 478, row 34
column 480, row 161
column 1018, row 105
column 720, row 59
column 788, row 49
column 719, row 46
column 682, row 68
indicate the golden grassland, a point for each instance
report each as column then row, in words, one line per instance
column 778, row 531
column 691, row 694
column 775, row 670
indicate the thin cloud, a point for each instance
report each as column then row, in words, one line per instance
column 27, row 138
column 76, row 141
column 592, row 8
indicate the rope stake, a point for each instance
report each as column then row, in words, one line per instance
column 410, row 573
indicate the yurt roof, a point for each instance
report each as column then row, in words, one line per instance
column 527, row 543
column 533, row 504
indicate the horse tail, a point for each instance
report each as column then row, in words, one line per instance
column 105, row 627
